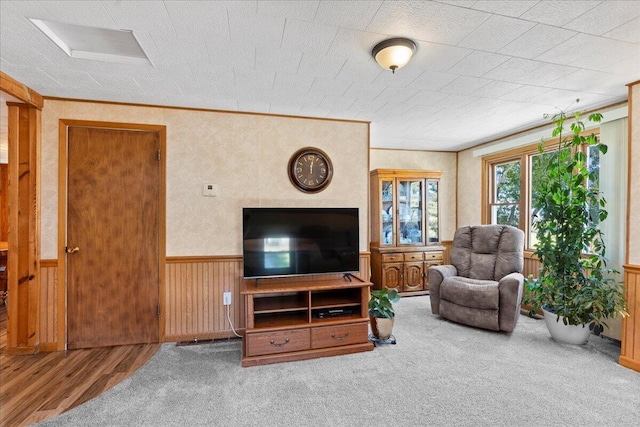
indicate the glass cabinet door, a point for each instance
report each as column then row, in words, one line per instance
column 410, row 215
column 433, row 230
column 387, row 213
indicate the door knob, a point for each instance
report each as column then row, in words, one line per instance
column 72, row 250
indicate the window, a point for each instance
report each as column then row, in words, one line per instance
column 511, row 180
column 593, row 183
column 505, row 206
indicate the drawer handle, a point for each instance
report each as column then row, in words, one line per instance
column 340, row 338
column 273, row 343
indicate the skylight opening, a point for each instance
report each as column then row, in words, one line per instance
column 99, row 44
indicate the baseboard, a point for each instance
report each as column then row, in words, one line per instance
column 629, row 363
column 22, row 351
column 202, row 337
column 49, row 347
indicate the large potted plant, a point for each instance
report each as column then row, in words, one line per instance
column 574, row 288
column 381, row 312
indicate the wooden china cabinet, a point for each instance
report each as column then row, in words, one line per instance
column 405, row 229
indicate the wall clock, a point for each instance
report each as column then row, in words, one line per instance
column 310, row 170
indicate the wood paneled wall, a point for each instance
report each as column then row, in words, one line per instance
column 194, row 291
column 630, row 351
column 192, row 303
column 446, row 256
column 49, row 305
column 531, row 265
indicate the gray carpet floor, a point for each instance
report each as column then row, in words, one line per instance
column 439, row 373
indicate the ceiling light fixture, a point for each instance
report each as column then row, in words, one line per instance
column 395, row 53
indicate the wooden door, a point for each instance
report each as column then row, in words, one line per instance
column 392, row 276
column 112, row 237
column 413, row 276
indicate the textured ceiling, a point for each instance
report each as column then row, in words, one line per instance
column 483, row 69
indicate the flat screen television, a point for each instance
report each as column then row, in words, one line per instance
column 300, row 241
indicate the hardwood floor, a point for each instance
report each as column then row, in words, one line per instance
column 34, row 388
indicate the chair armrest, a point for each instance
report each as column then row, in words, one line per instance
column 510, row 288
column 436, row 275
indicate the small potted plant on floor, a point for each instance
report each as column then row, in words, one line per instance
column 574, row 288
column 381, row 313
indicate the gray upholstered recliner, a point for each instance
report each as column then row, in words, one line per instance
column 483, row 286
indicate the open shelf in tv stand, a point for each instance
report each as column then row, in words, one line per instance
column 283, row 323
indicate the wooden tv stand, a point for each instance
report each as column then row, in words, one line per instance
column 304, row 317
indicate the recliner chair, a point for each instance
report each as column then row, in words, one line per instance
column 483, row 287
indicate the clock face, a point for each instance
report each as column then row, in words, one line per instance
column 310, row 170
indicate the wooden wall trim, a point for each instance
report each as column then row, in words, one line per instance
column 630, row 268
column 204, row 258
column 48, row 263
column 4, row 207
column 16, row 89
column 23, row 125
column 630, row 348
column 207, row 110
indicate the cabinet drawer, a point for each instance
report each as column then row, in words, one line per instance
column 392, row 257
column 278, row 342
column 432, row 255
column 413, row 256
column 333, row 336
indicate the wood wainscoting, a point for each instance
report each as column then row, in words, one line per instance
column 50, row 339
column 193, row 300
column 194, row 292
column 531, row 265
column 630, row 350
column 192, row 306
column 446, row 254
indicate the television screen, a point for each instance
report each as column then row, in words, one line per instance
column 298, row 241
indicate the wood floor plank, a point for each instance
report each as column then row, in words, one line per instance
column 36, row 387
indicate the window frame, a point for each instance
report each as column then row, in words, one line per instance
column 524, row 155
column 493, row 190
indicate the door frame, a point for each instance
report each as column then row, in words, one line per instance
column 24, row 127
column 63, row 142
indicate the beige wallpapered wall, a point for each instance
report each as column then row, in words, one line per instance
column 469, row 188
column 634, row 184
column 426, row 160
column 245, row 155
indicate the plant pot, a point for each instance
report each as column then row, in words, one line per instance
column 568, row 334
column 381, row 327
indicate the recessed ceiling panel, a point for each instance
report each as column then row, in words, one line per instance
column 100, row 44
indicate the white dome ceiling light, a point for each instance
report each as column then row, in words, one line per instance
column 393, row 54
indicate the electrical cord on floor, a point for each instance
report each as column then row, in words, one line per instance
column 231, row 323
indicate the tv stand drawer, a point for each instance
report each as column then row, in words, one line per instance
column 278, row 342
column 337, row 335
